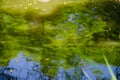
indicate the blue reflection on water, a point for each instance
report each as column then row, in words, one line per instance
column 21, row 68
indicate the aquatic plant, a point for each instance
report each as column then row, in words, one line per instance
column 56, row 39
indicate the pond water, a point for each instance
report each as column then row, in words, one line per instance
column 21, row 68
column 44, row 6
column 60, row 40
